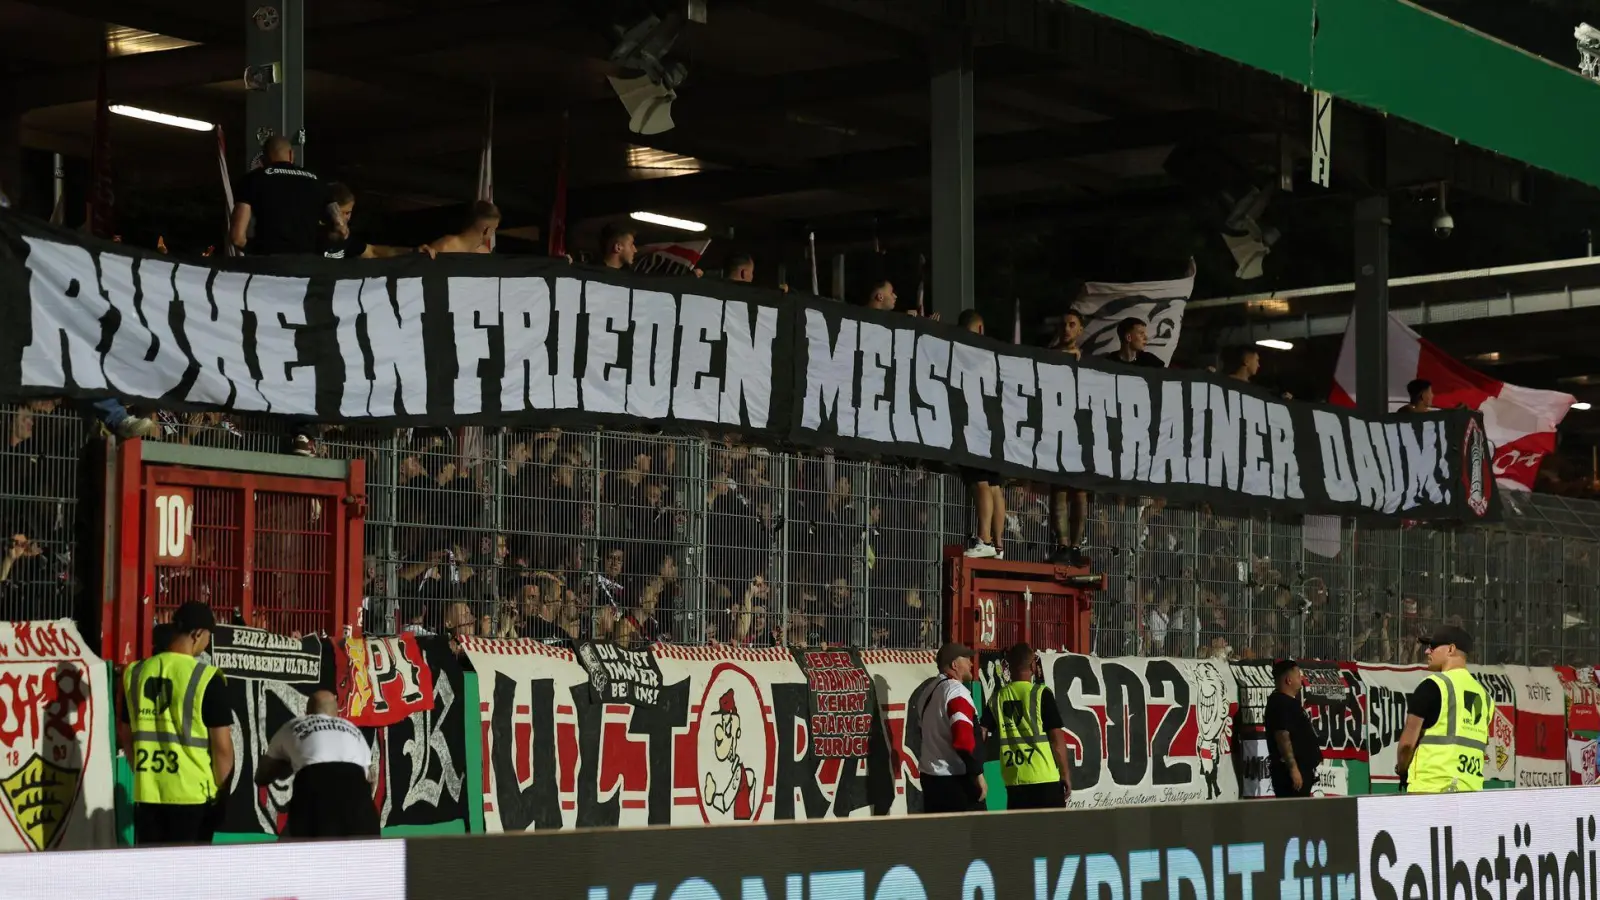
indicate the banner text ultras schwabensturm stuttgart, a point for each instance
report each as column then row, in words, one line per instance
column 507, row 340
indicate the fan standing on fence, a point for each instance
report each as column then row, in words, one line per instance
column 176, row 729
column 331, row 765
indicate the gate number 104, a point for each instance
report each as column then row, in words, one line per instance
column 174, row 521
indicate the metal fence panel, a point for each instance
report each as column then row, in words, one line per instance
column 602, row 535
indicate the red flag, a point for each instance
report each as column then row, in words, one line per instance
column 101, row 200
column 558, row 207
column 1520, row 422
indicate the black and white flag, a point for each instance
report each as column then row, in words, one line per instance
column 490, row 339
column 1159, row 304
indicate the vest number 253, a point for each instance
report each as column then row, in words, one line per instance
column 156, row 760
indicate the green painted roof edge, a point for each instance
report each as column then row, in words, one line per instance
column 1400, row 59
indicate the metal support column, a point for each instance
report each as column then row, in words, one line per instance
column 274, row 43
column 1372, row 304
column 951, row 173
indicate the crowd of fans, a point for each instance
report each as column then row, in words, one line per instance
column 566, row 537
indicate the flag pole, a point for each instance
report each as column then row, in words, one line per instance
column 815, row 290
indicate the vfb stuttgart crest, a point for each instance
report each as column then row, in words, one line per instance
column 46, row 722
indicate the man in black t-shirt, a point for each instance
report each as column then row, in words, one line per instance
column 1293, row 751
column 1131, row 332
column 286, row 203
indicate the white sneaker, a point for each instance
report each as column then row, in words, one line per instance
column 977, row 549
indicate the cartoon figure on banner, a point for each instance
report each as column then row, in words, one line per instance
column 734, row 794
column 734, row 747
column 45, row 720
column 1211, row 709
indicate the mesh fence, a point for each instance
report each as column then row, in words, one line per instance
column 568, row 536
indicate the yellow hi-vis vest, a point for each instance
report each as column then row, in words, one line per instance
column 171, row 748
column 1025, row 754
column 1449, row 757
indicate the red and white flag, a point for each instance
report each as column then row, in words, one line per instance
column 670, row 258
column 1520, row 422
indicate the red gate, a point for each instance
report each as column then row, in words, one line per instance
column 992, row 604
column 265, row 540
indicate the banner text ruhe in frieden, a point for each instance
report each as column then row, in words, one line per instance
column 509, row 340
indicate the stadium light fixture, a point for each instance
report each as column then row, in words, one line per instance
column 161, row 118
column 1275, row 344
column 1580, row 406
column 668, row 221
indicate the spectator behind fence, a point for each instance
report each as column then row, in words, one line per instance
column 1420, row 390
column 336, row 246
column 476, row 234
column 286, row 204
column 331, row 766
column 988, row 488
column 617, row 245
column 1131, row 332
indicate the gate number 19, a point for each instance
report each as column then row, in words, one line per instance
column 174, row 518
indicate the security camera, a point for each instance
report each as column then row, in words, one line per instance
column 1443, row 225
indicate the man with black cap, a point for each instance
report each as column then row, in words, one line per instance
column 176, row 729
column 952, row 774
column 1447, row 721
column 1293, row 751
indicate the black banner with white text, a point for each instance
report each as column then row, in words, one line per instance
column 509, row 340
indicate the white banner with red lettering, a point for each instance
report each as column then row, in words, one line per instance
column 1541, row 726
column 1145, row 730
column 55, row 745
column 691, row 735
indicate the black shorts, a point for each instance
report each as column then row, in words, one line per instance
column 949, row 793
column 971, row 477
column 173, row 823
column 1048, row 795
column 332, row 800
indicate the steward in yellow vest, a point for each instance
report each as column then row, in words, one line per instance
column 1033, row 740
column 175, row 728
column 1447, row 722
